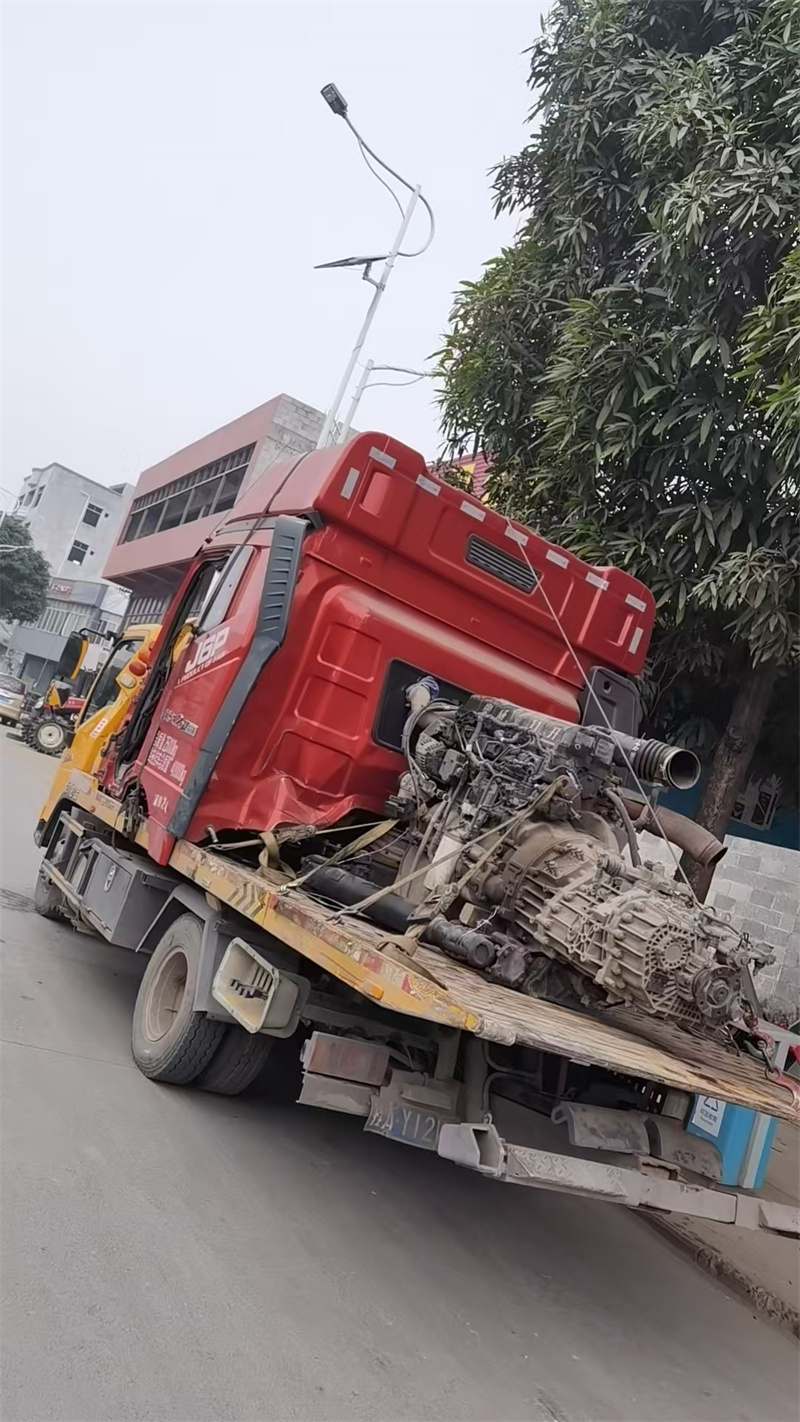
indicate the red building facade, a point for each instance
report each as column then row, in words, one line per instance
column 178, row 501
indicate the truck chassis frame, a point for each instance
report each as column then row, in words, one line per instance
column 399, row 991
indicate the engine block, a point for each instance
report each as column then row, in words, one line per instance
column 524, row 829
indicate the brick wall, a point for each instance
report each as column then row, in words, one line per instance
column 758, row 887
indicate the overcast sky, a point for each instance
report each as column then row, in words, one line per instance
column 171, row 176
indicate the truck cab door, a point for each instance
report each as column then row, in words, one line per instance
column 193, row 670
column 241, row 625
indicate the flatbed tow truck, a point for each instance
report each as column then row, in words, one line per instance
column 281, row 820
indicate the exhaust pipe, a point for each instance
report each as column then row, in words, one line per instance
column 699, row 843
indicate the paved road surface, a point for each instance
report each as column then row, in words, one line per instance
column 174, row 1257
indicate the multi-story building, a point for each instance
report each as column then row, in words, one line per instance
column 179, row 501
column 73, row 520
column 73, row 605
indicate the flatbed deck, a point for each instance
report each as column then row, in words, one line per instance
column 418, row 981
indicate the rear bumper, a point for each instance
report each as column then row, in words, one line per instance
column 651, row 1187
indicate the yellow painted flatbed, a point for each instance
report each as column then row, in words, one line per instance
column 418, row 981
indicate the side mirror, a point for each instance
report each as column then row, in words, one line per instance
column 71, row 659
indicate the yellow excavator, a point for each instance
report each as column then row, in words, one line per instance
column 106, row 703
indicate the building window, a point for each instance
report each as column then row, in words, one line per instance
column 53, row 619
column 209, row 490
column 132, row 532
column 146, row 609
column 201, row 500
column 63, row 618
column 174, row 510
column 231, row 485
column 38, row 496
column 150, row 520
column 77, row 552
column 92, row 515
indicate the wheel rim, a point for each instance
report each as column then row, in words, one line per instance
column 165, row 995
column 50, row 737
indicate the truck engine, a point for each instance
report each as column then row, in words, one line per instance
column 511, row 859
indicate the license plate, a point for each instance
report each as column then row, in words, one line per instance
column 407, row 1124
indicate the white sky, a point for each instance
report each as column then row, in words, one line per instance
column 171, row 176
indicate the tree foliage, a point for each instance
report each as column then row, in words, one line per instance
column 630, row 363
column 771, row 353
column 24, row 574
column 454, row 474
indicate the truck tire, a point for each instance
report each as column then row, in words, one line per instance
column 47, row 899
column 49, row 737
column 236, row 1062
column 169, row 1040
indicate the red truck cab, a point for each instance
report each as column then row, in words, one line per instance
column 337, row 581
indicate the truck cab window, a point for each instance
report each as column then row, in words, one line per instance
column 195, row 595
column 220, row 595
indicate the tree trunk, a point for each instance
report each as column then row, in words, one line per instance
column 731, row 762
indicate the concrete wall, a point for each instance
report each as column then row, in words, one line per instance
column 294, row 429
column 758, row 887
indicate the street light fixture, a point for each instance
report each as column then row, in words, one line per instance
column 334, row 99
column 337, row 103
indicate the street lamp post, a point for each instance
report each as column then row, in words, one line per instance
column 337, row 103
column 380, row 287
column 363, row 384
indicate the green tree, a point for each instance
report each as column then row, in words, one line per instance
column 628, row 362
column 453, row 474
column 24, row 574
column 771, row 353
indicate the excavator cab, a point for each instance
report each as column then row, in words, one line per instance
column 106, row 704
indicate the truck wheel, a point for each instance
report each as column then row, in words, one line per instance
column 170, row 1041
column 50, row 737
column 47, row 899
column 236, row 1062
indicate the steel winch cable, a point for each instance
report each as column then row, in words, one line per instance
column 518, row 816
column 539, row 586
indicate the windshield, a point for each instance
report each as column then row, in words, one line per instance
column 105, row 687
column 12, row 683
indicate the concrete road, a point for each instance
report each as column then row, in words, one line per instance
column 169, row 1255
